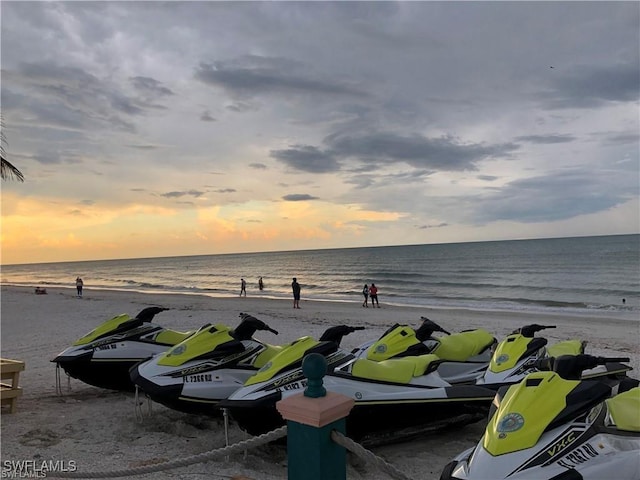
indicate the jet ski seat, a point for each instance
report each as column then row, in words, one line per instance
column 566, row 347
column 625, row 410
column 398, row 370
column 459, row 347
column 172, row 337
column 266, row 355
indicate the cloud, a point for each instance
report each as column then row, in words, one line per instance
column 589, row 86
column 555, row 196
column 307, row 158
column 206, row 117
column 144, row 147
column 178, row 194
column 298, row 197
column 545, row 139
column 251, row 75
column 444, row 153
column 439, row 225
column 487, row 178
column 150, row 87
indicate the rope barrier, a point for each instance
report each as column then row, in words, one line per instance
column 362, row 452
column 183, row 462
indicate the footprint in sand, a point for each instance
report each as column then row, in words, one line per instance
column 39, row 438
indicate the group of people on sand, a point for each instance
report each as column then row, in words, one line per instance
column 367, row 291
column 370, row 292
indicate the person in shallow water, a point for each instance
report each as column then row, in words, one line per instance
column 373, row 293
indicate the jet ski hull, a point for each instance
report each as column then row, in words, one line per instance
column 378, row 421
column 196, row 394
column 109, row 374
column 108, row 368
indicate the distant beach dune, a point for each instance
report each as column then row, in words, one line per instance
column 97, row 429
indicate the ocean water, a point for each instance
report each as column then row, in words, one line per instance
column 569, row 275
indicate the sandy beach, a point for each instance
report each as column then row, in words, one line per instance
column 98, row 430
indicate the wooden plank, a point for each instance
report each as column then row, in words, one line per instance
column 10, row 366
column 9, row 393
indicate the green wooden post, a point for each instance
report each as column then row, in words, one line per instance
column 311, row 416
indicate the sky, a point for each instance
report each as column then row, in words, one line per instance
column 150, row 129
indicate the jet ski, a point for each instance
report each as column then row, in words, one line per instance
column 104, row 356
column 207, row 367
column 558, row 425
column 467, row 353
column 398, row 390
column 518, row 353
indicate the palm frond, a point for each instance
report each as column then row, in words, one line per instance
column 7, row 170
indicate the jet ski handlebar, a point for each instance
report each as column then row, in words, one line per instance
column 335, row 334
column 570, row 367
column 147, row 314
column 427, row 328
column 248, row 326
column 529, row 331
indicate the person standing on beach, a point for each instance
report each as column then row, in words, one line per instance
column 373, row 293
column 79, row 285
column 295, row 287
column 365, row 292
column 260, row 283
column 243, row 287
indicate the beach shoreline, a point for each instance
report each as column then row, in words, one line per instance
column 98, row 430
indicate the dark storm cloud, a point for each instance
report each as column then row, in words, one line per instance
column 252, row 75
column 192, row 193
column 487, row 178
column 298, row 197
column 243, row 107
column 439, row 225
column 307, row 158
column 49, row 158
column 151, row 87
column 144, row 147
column 443, row 153
column 206, row 117
column 70, row 97
column 546, row 139
column 556, row 196
column 623, row 138
column 591, row 86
